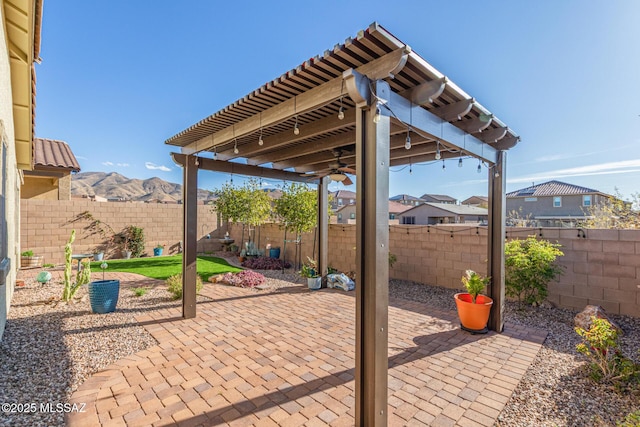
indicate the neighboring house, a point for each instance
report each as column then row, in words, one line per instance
column 552, row 204
column 50, row 178
column 407, row 200
column 480, row 201
column 438, row 198
column 19, row 49
column 341, row 198
column 444, row 213
column 347, row 214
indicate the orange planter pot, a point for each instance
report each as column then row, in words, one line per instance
column 473, row 317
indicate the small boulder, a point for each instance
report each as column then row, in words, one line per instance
column 583, row 319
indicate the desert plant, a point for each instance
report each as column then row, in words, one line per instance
column 243, row 279
column 529, row 266
column 174, row 284
column 27, row 253
column 131, row 238
column 139, row 291
column 82, row 277
column 392, row 259
column 607, row 364
column 48, row 265
column 474, row 284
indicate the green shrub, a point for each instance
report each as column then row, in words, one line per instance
column 474, row 283
column 27, row 253
column 529, row 266
column 607, row 364
column 174, row 284
column 392, row 259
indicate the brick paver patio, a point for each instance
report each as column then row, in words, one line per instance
column 287, row 358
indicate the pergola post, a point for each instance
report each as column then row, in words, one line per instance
column 495, row 240
column 372, row 267
column 189, row 242
column 323, row 225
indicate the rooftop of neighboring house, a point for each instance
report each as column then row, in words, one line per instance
column 440, row 198
column 343, row 194
column 51, row 153
column 475, row 199
column 405, row 197
column 396, row 208
column 552, row 188
column 454, row 209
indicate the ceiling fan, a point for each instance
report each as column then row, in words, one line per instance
column 338, row 170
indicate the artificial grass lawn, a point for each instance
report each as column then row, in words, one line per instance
column 162, row 267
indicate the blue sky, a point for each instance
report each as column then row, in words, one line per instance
column 120, row 77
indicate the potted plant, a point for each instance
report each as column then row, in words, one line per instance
column 310, row 271
column 103, row 294
column 157, row 251
column 29, row 260
column 473, row 307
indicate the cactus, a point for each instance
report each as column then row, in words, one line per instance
column 83, row 276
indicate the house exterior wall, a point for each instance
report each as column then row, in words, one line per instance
column 430, row 215
column 36, row 187
column 543, row 206
column 9, row 181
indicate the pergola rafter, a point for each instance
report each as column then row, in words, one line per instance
column 384, row 92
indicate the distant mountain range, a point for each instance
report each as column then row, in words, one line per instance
column 112, row 185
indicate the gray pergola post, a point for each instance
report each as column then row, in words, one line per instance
column 323, row 225
column 189, row 242
column 495, row 240
column 372, row 267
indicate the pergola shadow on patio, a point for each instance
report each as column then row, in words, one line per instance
column 288, row 358
column 362, row 107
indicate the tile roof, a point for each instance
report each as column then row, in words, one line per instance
column 552, row 188
column 440, row 197
column 395, row 207
column 54, row 153
column 343, row 194
column 405, row 197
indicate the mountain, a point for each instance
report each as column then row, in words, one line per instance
column 112, row 185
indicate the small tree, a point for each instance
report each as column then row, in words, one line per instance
column 614, row 213
column 132, row 239
column 529, row 266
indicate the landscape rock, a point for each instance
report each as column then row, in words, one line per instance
column 583, row 319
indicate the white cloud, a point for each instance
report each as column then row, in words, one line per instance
column 107, row 163
column 611, row 168
column 123, row 165
column 153, row 166
column 81, row 158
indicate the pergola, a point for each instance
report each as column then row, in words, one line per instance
column 365, row 105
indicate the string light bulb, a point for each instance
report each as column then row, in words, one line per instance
column 438, row 155
column 296, row 129
column 460, row 161
column 410, row 169
column 260, row 140
column 479, row 166
column 235, row 146
column 407, row 144
column 215, row 154
column 376, row 117
column 443, row 165
column 341, row 111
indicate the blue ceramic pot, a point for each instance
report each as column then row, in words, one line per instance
column 103, row 295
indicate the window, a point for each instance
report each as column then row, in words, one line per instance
column 557, row 202
column 392, row 216
column 352, row 202
column 530, row 199
column 586, row 200
column 408, row 219
column 339, row 216
column 339, row 202
column 352, row 215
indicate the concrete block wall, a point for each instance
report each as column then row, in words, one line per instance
column 602, row 268
column 46, row 226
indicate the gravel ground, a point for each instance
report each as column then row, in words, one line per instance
column 50, row 348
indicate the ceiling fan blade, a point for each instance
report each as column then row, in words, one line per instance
column 347, row 181
column 348, row 170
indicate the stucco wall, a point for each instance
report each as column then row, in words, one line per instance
column 543, row 206
column 43, row 188
column 11, row 215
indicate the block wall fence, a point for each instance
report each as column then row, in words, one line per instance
column 600, row 266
